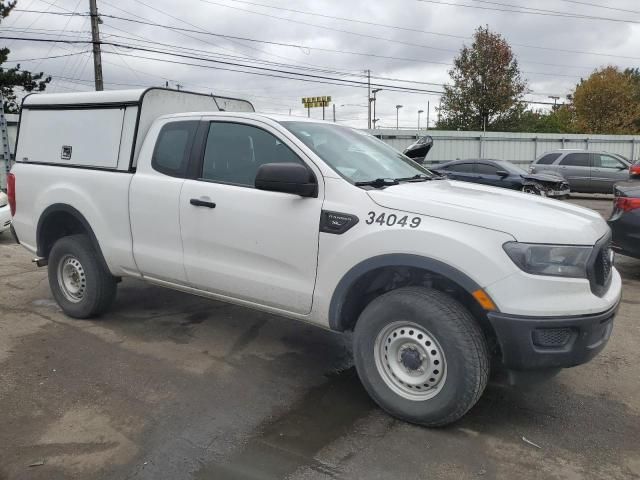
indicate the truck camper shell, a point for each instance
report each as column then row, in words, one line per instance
column 103, row 130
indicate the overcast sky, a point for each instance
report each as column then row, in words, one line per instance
column 423, row 48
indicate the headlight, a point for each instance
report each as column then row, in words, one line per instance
column 554, row 260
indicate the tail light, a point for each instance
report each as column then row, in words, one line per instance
column 11, row 192
column 634, row 169
column 627, row 204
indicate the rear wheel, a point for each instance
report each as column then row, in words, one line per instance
column 80, row 282
column 421, row 355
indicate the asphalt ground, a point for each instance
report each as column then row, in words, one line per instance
column 171, row 386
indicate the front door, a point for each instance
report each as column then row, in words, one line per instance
column 607, row 170
column 240, row 242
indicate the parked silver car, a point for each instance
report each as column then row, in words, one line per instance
column 586, row 171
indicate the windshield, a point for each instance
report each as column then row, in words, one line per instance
column 355, row 155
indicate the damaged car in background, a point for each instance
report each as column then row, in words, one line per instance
column 500, row 173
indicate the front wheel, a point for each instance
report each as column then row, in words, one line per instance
column 421, row 355
column 80, row 282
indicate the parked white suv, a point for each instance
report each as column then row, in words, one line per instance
column 317, row 222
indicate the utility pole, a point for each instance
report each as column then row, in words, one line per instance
column 419, row 113
column 428, row 108
column 334, row 113
column 95, row 38
column 398, row 107
column 369, row 99
column 374, row 91
column 5, row 151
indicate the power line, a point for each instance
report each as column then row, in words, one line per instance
column 602, row 6
column 46, row 58
column 192, row 57
column 530, row 11
column 524, row 45
column 314, row 48
column 224, row 62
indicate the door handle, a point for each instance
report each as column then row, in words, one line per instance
column 196, row 202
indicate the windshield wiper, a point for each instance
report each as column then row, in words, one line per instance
column 378, row 183
column 420, row 177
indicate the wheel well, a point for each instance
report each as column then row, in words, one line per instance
column 381, row 280
column 57, row 222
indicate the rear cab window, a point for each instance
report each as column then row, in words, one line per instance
column 173, row 148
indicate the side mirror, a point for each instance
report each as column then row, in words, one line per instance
column 502, row 173
column 287, row 178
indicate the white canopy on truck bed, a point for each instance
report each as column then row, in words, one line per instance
column 103, row 129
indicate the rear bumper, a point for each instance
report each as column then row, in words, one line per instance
column 536, row 343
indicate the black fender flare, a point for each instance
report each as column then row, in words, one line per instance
column 68, row 209
column 337, row 323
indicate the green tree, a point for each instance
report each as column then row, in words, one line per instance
column 558, row 120
column 608, row 102
column 487, row 88
column 14, row 78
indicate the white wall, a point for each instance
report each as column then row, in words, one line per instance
column 520, row 148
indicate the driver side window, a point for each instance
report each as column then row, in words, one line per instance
column 607, row 161
column 234, row 152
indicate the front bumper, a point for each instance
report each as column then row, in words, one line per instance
column 558, row 193
column 536, row 343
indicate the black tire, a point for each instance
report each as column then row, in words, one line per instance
column 459, row 336
column 99, row 286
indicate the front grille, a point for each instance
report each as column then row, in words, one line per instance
column 600, row 266
column 552, row 337
column 603, row 265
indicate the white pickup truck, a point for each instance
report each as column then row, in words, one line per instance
column 314, row 221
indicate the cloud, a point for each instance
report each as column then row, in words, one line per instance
column 549, row 71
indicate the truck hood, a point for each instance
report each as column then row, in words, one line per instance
column 526, row 217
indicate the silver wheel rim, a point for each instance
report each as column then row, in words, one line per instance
column 72, row 279
column 410, row 361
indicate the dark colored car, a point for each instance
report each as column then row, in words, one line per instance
column 500, row 173
column 419, row 149
column 625, row 219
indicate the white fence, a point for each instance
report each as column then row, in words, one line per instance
column 521, row 148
